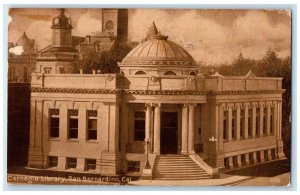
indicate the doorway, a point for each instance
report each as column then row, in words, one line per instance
column 168, row 132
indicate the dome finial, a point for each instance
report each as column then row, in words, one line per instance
column 62, row 11
column 152, row 30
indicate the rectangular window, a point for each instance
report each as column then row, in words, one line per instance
column 250, row 122
column 52, row 161
column 242, row 123
column 73, row 124
column 139, row 126
column 92, row 125
column 133, row 166
column 71, row 163
column 272, row 121
column 225, row 125
column 257, row 122
column 54, row 123
column 90, row 164
column 265, row 122
column 233, row 124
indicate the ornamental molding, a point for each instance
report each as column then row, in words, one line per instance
column 148, row 92
column 75, row 90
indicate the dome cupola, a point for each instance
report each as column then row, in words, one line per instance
column 61, row 21
column 156, row 52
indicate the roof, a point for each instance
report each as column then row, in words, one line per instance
column 28, row 45
column 158, row 50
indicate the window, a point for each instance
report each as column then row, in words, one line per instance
column 54, row 123
column 92, row 125
column 25, row 76
column 265, row 122
column 71, row 163
column 225, row 124
column 272, row 121
column 250, row 122
column 109, row 25
column 139, row 126
column 193, row 73
column 62, row 70
column 73, row 124
column 133, row 166
column 47, row 70
column 257, row 123
column 242, row 123
column 233, row 124
column 170, row 73
column 140, row 73
column 52, row 161
column 90, row 164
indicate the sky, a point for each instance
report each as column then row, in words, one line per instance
column 210, row 36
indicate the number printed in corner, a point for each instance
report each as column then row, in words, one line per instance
column 275, row 180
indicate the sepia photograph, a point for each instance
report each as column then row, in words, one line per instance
column 149, row 96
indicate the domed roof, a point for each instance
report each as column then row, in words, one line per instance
column 158, row 50
column 61, row 21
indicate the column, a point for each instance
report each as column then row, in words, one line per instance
column 238, row 122
column 261, row 120
column 191, row 132
column 147, row 124
column 280, row 143
column 268, row 119
column 269, row 154
column 239, row 160
column 156, row 129
column 229, row 133
column 184, row 129
column 254, row 158
column 247, row 161
column 262, row 156
column 254, row 121
column 246, row 122
column 230, row 162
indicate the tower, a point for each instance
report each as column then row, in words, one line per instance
column 110, row 21
column 59, row 57
column 61, row 30
column 115, row 22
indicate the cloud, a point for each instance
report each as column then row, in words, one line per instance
column 9, row 19
column 86, row 24
column 209, row 40
column 210, row 36
column 18, row 50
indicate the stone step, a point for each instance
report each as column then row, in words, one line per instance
column 180, row 178
column 182, row 173
column 178, row 167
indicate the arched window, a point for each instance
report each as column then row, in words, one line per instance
column 170, row 73
column 140, row 73
column 193, row 73
column 109, row 25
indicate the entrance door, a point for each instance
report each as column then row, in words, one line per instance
column 168, row 132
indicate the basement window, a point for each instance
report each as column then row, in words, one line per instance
column 52, row 161
column 133, row 166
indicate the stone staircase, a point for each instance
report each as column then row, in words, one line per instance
column 178, row 167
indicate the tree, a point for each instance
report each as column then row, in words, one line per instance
column 106, row 60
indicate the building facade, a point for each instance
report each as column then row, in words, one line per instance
column 158, row 118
